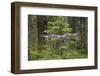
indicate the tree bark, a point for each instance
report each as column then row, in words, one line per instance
column 41, row 26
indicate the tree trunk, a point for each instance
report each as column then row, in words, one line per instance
column 41, row 26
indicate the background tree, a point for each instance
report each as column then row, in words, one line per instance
column 32, row 36
column 41, row 26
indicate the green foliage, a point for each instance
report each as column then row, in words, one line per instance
column 34, row 55
column 53, row 40
column 57, row 26
column 56, row 48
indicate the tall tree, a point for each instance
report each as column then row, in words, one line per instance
column 32, row 34
column 41, row 26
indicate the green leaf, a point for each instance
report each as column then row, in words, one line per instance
column 63, row 47
column 55, row 27
column 47, row 31
column 54, row 40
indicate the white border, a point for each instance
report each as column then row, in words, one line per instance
column 25, row 64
